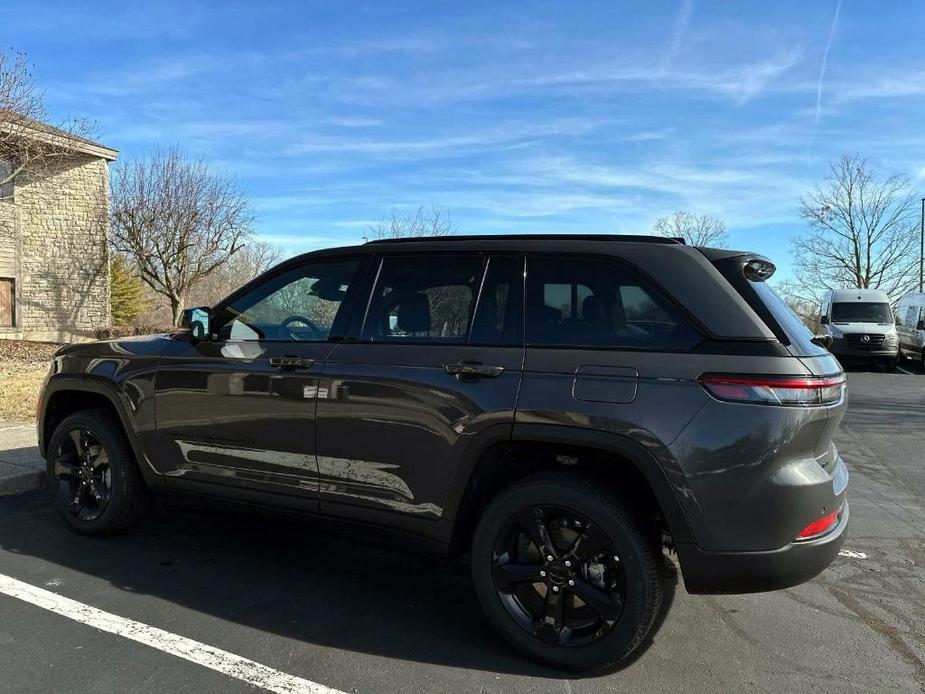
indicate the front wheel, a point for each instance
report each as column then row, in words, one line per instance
column 566, row 572
column 94, row 482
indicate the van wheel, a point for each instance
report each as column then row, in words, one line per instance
column 94, row 481
column 566, row 573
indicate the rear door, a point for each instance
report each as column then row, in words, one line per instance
column 605, row 350
column 434, row 368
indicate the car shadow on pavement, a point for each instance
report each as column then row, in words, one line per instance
column 296, row 578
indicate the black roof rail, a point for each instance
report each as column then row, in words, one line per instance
column 637, row 238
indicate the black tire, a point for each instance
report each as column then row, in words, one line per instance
column 891, row 365
column 127, row 499
column 640, row 561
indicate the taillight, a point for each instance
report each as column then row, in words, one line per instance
column 776, row 390
column 819, row 527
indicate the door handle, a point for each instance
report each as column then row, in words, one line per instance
column 290, row 362
column 473, row 369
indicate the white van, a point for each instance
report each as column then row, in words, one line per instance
column 910, row 325
column 860, row 323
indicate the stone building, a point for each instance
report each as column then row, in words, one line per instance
column 54, row 256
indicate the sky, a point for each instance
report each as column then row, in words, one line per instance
column 513, row 117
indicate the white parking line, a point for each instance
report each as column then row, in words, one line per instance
column 200, row 653
column 899, row 368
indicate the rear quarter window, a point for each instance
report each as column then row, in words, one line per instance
column 781, row 320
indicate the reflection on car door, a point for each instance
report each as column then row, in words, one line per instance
column 429, row 374
column 238, row 410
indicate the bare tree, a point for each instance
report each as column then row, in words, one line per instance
column 421, row 222
column 804, row 299
column 178, row 220
column 696, row 230
column 29, row 144
column 861, row 232
column 254, row 259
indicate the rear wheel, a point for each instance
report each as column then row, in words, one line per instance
column 566, row 572
column 92, row 476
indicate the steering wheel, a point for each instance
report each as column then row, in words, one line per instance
column 315, row 333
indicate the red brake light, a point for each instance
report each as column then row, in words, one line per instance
column 776, row 390
column 819, row 527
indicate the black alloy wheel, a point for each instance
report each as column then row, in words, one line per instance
column 558, row 576
column 567, row 570
column 83, row 474
column 93, row 478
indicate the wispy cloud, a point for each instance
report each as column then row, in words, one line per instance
column 681, row 20
column 506, row 136
column 822, row 67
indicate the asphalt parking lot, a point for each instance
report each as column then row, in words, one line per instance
column 339, row 610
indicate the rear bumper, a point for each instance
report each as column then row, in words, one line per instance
column 707, row 571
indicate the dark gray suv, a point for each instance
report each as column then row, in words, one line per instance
column 561, row 409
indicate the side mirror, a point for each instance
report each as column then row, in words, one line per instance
column 899, row 321
column 196, row 320
column 824, row 320
column 920, row 325
column 824, row 341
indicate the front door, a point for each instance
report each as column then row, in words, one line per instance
column 436, row 369
column 238, row 410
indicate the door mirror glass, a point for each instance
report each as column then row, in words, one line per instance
column 196, row 320
column 920, row 325
column 824, row 320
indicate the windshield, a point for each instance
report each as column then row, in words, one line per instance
column 861, row 312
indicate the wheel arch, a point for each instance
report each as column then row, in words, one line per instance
column 489, row 460
column 64, row 396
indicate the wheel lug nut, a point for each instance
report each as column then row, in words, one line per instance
column 555, row 589
column 549, row 557
column 568, row 563
column 571, row 582
column 543, row 574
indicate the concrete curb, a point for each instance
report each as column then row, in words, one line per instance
column 26, row 481
column 22, row 468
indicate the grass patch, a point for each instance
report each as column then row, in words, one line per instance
column 23, row 366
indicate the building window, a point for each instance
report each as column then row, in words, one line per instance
column 7, row 303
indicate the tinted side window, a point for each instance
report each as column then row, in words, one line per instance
column 298, row 305
column 424, row 298
column 498, row 317
column 599, row 303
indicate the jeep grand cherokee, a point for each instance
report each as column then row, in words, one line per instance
column 560, row 409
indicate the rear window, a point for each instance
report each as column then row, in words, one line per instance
column 773, row 310
column 861, row 312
